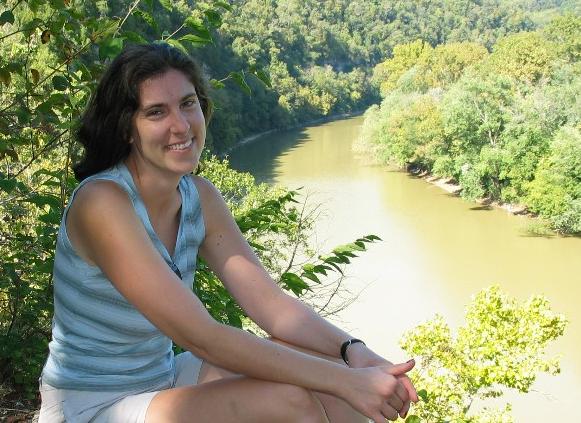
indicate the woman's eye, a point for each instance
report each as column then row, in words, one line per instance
column 153, row 112
column 189, row 103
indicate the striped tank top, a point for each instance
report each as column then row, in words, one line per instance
column 100, row 342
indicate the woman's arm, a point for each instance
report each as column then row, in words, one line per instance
column 282, row 316
column 110, row 234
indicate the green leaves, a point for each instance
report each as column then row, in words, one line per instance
column 195, row 40
column 110, row 48
column 294, row 283
column 147, row 18
column 502, row 345
column 166, row 4
column 6, row 17
column 60, row 83
column 223, row 4
column 196, row 25
column 340, row 256
column 262, row 75
column 240, row 79
column 423, row 395
column 214, row 17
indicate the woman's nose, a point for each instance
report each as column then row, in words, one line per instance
column 180, row 123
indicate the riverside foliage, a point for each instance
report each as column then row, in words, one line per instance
column 505, row 125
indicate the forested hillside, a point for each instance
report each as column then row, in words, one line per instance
column 319, row 54
column 505, row 125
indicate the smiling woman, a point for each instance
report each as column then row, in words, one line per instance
column 169, row 126
column 124, row 270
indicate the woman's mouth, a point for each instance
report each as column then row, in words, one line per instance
column 182, row 146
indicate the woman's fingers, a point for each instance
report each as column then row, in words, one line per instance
column 401, row 392
column 395, row 403
column 399, row 371
column 404, row 410
column 407, row 384
column 389, row 412
column 401, row 368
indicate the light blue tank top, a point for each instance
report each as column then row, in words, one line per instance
column 100, row 342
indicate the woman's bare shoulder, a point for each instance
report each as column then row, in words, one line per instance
column 97, row 205
column 100, row 191
column 206, row 189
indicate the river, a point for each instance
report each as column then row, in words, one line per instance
column 437, row 251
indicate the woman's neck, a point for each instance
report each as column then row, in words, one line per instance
column 158, row 191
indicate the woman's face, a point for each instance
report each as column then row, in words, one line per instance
column 169, row 129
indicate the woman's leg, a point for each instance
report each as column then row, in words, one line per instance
column 236, row 399
column 337, row 410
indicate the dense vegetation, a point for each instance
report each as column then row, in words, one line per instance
column 319, row 53
column 504, row 125
column 273, row 64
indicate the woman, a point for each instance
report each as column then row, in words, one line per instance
column 124, row 267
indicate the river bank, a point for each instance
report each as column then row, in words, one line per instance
column 452, row 187
column 254, row 137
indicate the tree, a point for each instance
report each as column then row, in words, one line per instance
column 448, row 62
column 565, row 32
column 555, row 192
column 527, row 57
column 405, row 56
column 475, row 112
column 501, row 345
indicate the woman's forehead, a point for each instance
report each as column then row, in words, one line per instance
column 172, row 84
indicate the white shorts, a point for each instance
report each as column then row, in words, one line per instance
column 71, row 406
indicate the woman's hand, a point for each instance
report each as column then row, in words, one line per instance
column 360, row 356
column 377, row 392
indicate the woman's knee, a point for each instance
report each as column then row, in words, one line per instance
column 301, row 403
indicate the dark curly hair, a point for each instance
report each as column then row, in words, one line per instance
column 105, row 127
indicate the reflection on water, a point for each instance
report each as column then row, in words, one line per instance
column 438, row 251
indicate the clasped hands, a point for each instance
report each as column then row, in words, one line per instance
column 392, row 390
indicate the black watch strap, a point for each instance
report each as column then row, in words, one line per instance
column 344, row 347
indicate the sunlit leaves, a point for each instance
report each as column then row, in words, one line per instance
column 195, row 40
column 262, row 75
column 501, row 345
column 223, row 4
column 147, row 18
column 196, row 25
column 217, row 84
column 167, row 4
column 526, row 56
column 333, row 262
